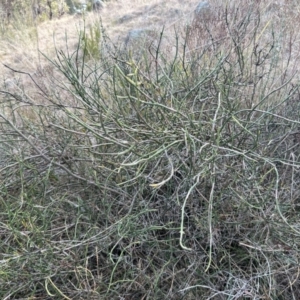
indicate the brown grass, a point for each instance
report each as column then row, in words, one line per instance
column 21, row 48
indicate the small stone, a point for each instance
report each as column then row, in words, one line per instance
column 203, row 9
column 135, row 35
column 98, row 5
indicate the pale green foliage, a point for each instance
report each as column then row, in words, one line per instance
column 91, row 42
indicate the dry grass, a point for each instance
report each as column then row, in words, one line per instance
column 118, row 17
column 21, row 47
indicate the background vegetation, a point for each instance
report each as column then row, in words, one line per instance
column 166, row 168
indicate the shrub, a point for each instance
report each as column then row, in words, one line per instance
column 170, row 176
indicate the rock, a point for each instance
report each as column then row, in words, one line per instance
column 77, row 7
column 98, row 5
column 202, row 10
column 126, row 18
column 137, row 42
column 10, row 84
column 137, row 35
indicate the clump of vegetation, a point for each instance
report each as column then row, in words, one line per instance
column 168, row 175
column 27, row 11
column 91, row 42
